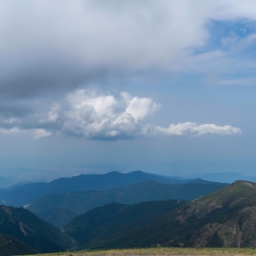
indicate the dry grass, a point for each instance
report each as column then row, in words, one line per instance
column 161, row 251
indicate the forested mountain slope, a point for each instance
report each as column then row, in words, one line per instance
column 224, row 218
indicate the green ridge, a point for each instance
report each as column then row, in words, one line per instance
column 224, row 218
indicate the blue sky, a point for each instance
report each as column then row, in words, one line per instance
column 95, row 86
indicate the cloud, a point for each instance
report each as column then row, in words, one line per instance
column 13, row 130
column 32, row 133
column 190, row 128
column 240, row 81
column 63, row 44
column 94, row 115
column 39, row 133
column 91, row 114
column 66, row 43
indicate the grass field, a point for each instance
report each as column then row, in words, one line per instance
column 161, row 251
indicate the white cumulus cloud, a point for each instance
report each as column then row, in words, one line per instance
column 99, row 116
column 190, row 128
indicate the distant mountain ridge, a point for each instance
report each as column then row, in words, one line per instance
column 224, row 218
column 226, row 177
column 59, row 209
column 27, row 193
column 6, row 182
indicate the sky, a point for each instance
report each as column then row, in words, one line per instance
column 92, row 86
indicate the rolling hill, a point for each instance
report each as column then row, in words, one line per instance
column 59, row 209
column 224, row 218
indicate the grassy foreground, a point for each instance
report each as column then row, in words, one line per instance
column 161, row 251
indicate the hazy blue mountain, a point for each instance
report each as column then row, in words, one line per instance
column 27, row 193
column 227, row 177
column 59, row 209
column 31, row 230
column 224, row 218
column 6, row 182
column 2, row 190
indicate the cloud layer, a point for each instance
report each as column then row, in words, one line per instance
column 62, row 44
column 51, row 48
column 91, row 114
column 32, row 133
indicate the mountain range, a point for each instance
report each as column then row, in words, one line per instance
column 59, row 209
column 160, row 212
column 224, row 218
column 26, row 193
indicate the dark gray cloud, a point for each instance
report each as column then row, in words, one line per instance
column 50, row 45
column 14, row 109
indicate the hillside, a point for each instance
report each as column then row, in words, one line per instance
column 11, row 246
column 224, row 218
column 108, row 222
column 27, row 193
column 59, row 209
column 31, row 230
